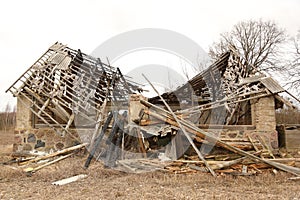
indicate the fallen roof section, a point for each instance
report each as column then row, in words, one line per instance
column 71, row 84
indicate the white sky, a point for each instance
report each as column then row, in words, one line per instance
column 28, row 28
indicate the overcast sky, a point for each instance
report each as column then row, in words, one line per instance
column 29, row 27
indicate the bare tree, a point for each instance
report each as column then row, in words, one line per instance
column 258, row 42
column 203, row 62
column 293, row 65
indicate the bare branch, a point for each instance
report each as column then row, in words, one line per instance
column 258, row 42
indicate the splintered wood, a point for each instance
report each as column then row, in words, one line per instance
column 33, row 163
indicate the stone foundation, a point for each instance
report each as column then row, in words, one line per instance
column 45, row 139
column 269, row 137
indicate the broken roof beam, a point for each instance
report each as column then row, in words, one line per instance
column 73, row 82
column 59, row 109
column 42, row 118
column 220, row 103
column 46, row 93
column 39, row 61
column 89, row 64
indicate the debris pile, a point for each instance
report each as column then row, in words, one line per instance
column 222, row 120
column 34, row 161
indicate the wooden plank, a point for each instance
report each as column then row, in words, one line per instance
column 253, row 143
column 229, row 127
column 141, row 144
column 69, row 180
column 32, row 170
column 56, row 153
column 98, row 140
column 295, row 178
column 266, row 146
column 293, row 96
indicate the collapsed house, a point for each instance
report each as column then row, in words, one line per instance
column 67, row 97
column 65, row 90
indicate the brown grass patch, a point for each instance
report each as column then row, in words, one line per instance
column 7, row 137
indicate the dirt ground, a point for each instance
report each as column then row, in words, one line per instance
column 6, row 137
column 104, row 183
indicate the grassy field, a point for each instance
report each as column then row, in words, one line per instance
column 108, row 184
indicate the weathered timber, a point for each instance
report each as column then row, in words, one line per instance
column 56, row 153
column 32, row 170
column 98, row 140
column 69, row 180
column 109, row 162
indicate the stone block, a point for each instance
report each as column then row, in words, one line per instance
column 27, row 147
column 59, row 146
column 31, row 138
column 39, row 144
column 18, row 139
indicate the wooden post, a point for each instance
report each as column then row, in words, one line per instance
column 98, row 140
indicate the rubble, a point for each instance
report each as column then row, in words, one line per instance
column 226, row 114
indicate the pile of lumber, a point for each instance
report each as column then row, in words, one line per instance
column 239, row 166
column 31, row 164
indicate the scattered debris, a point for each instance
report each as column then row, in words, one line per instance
column 54, row 154
column 36, row 163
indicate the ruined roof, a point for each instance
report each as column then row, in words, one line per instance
column 228, row 76
column 67, row 82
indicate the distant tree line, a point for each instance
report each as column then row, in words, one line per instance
column 8, row 118
column 288, row 116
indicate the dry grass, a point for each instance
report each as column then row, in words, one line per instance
column 6, row 137
column 109, row 184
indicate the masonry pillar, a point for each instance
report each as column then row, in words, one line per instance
column 24, row 115
column 263, row 117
